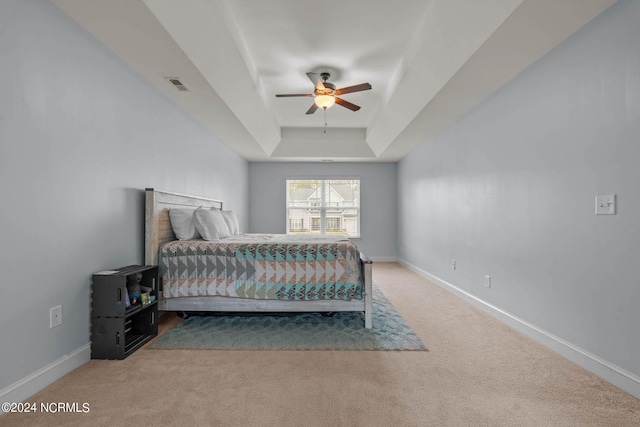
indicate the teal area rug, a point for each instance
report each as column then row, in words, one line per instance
column 304, row 331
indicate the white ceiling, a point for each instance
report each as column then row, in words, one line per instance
column 428, row 61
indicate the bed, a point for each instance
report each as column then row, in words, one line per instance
column 183, row 290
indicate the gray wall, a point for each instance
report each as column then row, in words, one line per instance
column 508, row 190
column 81, row 134
column 378, row 198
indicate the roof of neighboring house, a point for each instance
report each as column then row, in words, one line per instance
column 344, row 191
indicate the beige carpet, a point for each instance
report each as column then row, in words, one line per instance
column 478, row 372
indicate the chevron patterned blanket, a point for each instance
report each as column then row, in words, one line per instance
column 263, row 266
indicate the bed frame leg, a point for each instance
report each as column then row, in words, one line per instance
column 368, row 293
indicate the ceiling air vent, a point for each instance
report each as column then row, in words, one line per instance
column 177, row 83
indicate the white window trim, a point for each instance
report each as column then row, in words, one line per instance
column 322, row 208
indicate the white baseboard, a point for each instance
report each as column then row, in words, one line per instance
column 38, row 380
column 608, row 371
column 383, row 258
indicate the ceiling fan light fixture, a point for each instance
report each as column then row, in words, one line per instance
column 326, row 94
column 325, row 101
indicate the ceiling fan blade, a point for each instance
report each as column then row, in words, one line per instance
column 355, row 88
column 317, row 81
column 313, row 109
column 293, row 94
column 347, row 104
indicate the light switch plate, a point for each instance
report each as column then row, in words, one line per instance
column 606, row 205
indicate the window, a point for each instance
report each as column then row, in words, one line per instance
column 333, row 224
column 296, row 223
column 323, row 206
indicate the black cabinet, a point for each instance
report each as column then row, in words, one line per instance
column 118, row 330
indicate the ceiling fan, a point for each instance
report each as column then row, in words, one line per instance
column 326, row 93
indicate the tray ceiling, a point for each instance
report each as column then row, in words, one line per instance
column 428, row 61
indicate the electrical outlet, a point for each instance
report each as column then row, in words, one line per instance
column 606, row 205
column 55, row 316
column 487, row 281
column 453, row 264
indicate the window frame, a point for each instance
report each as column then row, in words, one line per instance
column 323, row 208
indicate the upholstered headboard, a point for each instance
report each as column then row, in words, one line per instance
column 157, row 229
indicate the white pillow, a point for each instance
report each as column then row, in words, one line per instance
column 232, row 221
column 210, row 224
column 182, row 224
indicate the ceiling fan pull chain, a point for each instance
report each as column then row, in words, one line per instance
column 325, row 119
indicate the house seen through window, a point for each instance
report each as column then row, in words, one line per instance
column 323, row 206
